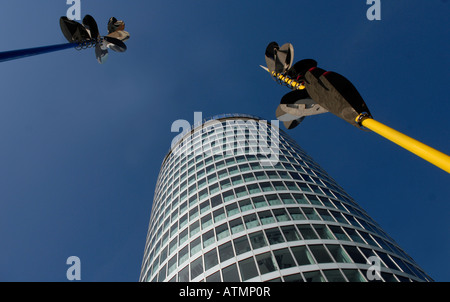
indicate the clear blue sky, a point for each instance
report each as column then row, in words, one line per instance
column 81, row 144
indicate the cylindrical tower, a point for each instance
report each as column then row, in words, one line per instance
column 238, row 200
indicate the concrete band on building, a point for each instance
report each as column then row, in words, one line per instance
column 224, row 216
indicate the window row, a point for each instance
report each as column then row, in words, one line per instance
column 272, row 236
column 255, row 219
column 213, row 173
column 226, row 159
column 301, row 163
column 274, row 260
column 190, row 196
column 229, row 192
column 230, row 154
column 176, row 222
column 337, row 275
column 174, row 172
column 182, row 156
column 259, row 239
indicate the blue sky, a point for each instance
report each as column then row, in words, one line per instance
column 81, row 144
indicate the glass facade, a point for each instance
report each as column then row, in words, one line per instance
column 225, row 216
